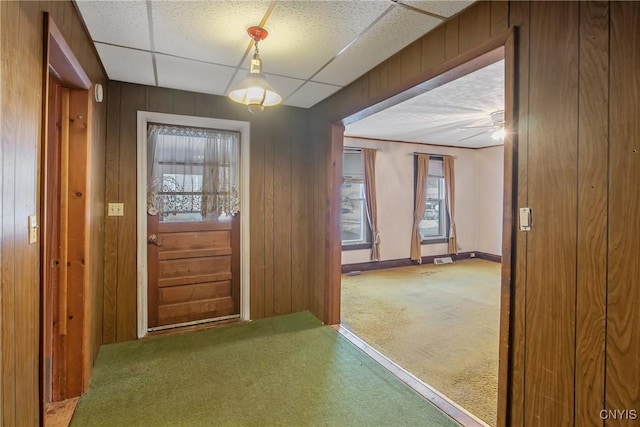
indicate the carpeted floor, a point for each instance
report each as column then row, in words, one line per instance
column 283, row 371
column 439, row 322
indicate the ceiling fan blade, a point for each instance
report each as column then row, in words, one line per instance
column 474, row 135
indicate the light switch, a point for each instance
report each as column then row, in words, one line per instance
column 116, row 209
column 33, row 229
column 525, row 219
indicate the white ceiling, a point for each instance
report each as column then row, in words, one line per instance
column 314, row 48
column 448, row 115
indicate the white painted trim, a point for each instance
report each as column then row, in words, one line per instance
column 145, row 117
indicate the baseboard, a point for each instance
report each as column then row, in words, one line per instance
column 489, row 257
column 404, row 262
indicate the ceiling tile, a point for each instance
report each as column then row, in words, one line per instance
column 283, row 85
column 310, row 94
column 396, row 30
column 123, row 23
column 127, row 65
column 213, row 31
column 305, row 35
column 195, row 76
column 442, row 8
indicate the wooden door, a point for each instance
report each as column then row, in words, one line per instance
column 193, row 270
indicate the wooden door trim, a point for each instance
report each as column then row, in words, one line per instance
column 59, row 61
column 145, row 117
column 501, row 46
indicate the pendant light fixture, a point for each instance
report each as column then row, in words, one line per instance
column 255, row 91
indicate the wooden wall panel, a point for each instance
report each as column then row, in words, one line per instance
column 112, row 172
column 475, row 26
column 623, row 293
column 551, row 268
column 593, row 146
column 274, row 206
column 21, row 25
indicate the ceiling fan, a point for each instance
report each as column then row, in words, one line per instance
column 496, row 128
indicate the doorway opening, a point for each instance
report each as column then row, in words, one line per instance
column 193, row 221
column 448, row 227
column 64, row 251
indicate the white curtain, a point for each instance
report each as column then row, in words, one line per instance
column 192, row 173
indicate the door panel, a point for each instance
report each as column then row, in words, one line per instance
column 193, row 270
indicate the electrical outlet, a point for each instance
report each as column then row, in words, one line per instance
column 116, row 209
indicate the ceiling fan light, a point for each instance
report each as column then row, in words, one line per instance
column 499, row 134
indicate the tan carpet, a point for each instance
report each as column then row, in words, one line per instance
column 439, row 322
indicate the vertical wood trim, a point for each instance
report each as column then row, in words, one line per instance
column 551, row 269
column 64, row 213
column 2, row 148
column 333, row 244
column 592, row 212
column 519, row 13
column 508, row 228
column 623, row 293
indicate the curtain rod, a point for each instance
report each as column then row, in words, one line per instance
column 360, row 148
column 415, row 153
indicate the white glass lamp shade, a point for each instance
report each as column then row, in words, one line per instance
column 255, row 91
column 499, row 134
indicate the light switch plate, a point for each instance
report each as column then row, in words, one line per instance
column 33, row 229
column 116, row 209
column 525, row 219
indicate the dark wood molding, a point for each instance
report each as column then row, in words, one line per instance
column 62, row 59
column 489, row 257
column 404, row 262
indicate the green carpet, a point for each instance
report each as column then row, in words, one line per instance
column 283, row 371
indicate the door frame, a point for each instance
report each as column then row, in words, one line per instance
column 146, row 117
column 72, row 334
column 502, row 46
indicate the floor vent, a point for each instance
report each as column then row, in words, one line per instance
column 443, row 260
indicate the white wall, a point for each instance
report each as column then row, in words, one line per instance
column 394, row 182
column 489, row 193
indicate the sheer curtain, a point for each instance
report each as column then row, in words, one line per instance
column 418, row 207
column 192, row 173
column 369, row 160
column 449, row 194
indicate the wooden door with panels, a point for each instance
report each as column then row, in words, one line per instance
column 193, row 260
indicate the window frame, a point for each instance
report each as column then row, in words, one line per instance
column 368, row 236
column 444, row 237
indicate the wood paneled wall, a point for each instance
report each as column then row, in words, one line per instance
column 280, row 214
column 21, row 51
column 576, row 282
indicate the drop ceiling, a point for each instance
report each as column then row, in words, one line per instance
column 314, row 48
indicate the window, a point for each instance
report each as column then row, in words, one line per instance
column 354, row 225
column 434, row 227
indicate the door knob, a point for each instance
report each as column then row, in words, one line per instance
column 153, row 238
